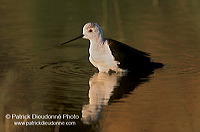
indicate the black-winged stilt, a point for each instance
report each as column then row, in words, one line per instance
column 110, row 55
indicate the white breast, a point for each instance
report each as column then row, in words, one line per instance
column 102, row 58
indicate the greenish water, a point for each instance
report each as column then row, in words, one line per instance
column 38, row 76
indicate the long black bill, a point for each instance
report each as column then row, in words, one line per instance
column 73, row 39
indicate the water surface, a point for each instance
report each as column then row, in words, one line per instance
column 38, row 76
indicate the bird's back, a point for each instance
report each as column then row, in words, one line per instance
column 131, row 58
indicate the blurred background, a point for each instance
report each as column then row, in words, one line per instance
column 39, row 76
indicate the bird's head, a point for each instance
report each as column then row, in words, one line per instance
column 91, row 30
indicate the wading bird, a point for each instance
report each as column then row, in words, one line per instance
column 110, row 55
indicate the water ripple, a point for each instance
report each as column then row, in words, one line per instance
column 69, row 68
column 184, row 69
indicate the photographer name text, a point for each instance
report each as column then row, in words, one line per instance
column 45, row 116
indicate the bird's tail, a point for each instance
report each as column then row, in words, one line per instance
column 157, row 65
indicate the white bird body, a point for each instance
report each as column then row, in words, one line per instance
column 101, row 57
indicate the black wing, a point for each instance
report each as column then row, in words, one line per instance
column 129, row 57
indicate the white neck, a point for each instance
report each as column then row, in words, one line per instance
column 97, row 41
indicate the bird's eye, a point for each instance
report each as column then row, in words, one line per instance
column 90, row 30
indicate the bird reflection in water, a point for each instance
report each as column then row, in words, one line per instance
column 106, row 88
